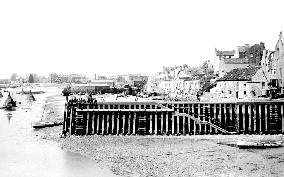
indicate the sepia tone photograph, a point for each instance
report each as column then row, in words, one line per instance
column 152, row 88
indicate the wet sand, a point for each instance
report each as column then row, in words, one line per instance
column 26, row 152
column 201, row 155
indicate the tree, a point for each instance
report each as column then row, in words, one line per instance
column 31, row 78
column 14, row 77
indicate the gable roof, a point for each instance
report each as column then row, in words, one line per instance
column 225, row 53
column 236, row 61
column 240, row 74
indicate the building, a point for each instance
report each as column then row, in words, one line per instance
column 243, row 57
column 242, row 83
column 178, row 82
column 109, row 82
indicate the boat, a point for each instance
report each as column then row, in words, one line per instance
column 259, row 145
column 43, row 124
column 39, row 124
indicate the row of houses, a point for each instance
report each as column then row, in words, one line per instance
column 179, row 81
column 249, row 71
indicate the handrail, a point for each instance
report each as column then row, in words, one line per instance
column 205, row 122
column 191, row 116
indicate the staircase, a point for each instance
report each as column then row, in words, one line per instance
column 198, row 120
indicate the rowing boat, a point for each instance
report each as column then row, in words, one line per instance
column 259, row 145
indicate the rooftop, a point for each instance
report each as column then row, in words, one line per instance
column 236, row 61
column 225, row 53
column 240, row 74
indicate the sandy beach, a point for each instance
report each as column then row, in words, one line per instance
column 202, row 155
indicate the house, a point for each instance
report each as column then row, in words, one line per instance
column 245, row 56
column 239, row 83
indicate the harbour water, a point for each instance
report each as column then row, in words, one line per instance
column 23, row 152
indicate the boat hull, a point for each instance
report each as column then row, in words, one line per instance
column 261, row 145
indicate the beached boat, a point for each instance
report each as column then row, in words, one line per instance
column 251, row 144
column 43, row 124
column 39, row 124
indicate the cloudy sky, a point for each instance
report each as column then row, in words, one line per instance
column 128, row 36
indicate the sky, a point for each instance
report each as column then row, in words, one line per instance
column 110, row 37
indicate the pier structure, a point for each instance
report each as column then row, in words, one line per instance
column 173, row 118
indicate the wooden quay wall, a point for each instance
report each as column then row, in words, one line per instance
column 173, row 118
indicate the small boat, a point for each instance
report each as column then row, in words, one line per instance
column 39, row 124
column 43, row 124
column 259, row 145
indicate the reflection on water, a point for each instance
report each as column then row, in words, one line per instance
column 22, row 153
column 9, row 116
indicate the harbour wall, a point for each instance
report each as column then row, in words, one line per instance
column 173, row 118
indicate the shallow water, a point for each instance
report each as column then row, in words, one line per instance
column 23, row 153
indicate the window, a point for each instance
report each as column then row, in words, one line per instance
column 263, row 84
column 245, row 92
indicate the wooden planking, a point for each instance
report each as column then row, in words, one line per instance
column 282, row 118
column 237, row 121
column 112, row 123
column 156, row 123
column 167, row 123
column 101, row 121
column 123, row 124
column 151, row 123
column 254, row 118
column 260, row 118
column 71, row 120
column 244, row 118
column 98, row 123
column 265, row 109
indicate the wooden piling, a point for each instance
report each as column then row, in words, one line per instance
column 112, row 123
column 237, row 121
column 98, row 122
column 134, row 123
column 123, row 124
column 162, row 122
column 188, row 119
column 183, row 125
column 129, row 123
column 108, row 123
column 88, row 123
column 118, row 123
column 260, row 118
column 220, row 116
column 173, row 125
column 198, row 113
column 156, row 123
column 103, row 123
column 266, row 126
column 94, row 125
column 65, row 118
column 282, row 118
column 167, row 123
column 71, row 120
column 254, row 118
column 225, row 115
column 109, row 119
column 249, row 118
column 151, row 123
column 244, row 118
column 231, row 114
column 194, row 122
